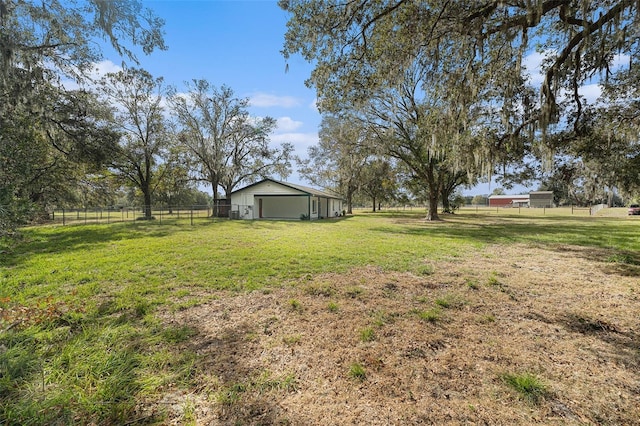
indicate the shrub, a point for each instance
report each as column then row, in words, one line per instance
column 295, row 305
column 528, row 386
column 430, row 315
column 332, row 307
column 357, row 371
column 367, row 334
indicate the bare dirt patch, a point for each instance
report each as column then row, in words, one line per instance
column 434, row 348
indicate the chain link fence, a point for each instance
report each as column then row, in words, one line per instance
column 176, row 214
column 202, row 213
column 535, row 211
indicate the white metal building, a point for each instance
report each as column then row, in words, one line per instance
column 272, row 199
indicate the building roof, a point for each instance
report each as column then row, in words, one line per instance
column 301, row 188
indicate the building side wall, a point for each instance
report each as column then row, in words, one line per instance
column 508, row 200
column 541, row 200
column 335, row 207
column 246, row 199
column 329, row 207
column 244, row 196
column 502, row 202
column 281, row 202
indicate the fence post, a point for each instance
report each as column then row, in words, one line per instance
column 544, row 210
column 63, row 221
column 191, row 216
column 85, row 215
column 160, row 215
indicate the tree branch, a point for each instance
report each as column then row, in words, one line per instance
column 575, row 41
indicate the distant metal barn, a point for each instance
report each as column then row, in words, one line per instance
column 541, row 199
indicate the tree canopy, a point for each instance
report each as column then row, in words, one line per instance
column 45, row 128
column 472, row 58
column 228, row 146
column 337, row 161
column 144, row 138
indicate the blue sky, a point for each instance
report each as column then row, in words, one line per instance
column 237, row 43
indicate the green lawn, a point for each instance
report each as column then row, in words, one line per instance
column 80, row 338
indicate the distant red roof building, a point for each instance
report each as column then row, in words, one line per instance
column 533, row 199
column 509, row 200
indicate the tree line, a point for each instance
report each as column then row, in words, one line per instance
column 69, row 138
column 418, row 99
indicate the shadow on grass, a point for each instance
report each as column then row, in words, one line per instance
column 604, row 240
column 244, row 393
column 272, row 223
column 626, row 343
column 77, row 237
column 74, row 237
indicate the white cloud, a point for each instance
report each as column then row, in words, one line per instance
column 103, row 67
column 532, row 63
column 620, row 61
column 591, row 92
column 95, row 72
column 264, row 100
column 287, row 124
column 300, row 141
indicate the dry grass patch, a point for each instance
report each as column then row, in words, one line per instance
column 543, row 336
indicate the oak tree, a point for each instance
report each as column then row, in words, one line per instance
column 228, row 145
column 43, row 125
column 337, row 160
column 476, row 54
column 138, row 116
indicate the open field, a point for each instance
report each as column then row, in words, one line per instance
column 372, row 319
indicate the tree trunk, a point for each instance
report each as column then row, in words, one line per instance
column 350, row 203
column 434, row 191
column 146, row 186
column 374, row 204
column 147, row 202
column 215, row 183
column 446, row 207
column 433, row 205
column 214, row 190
